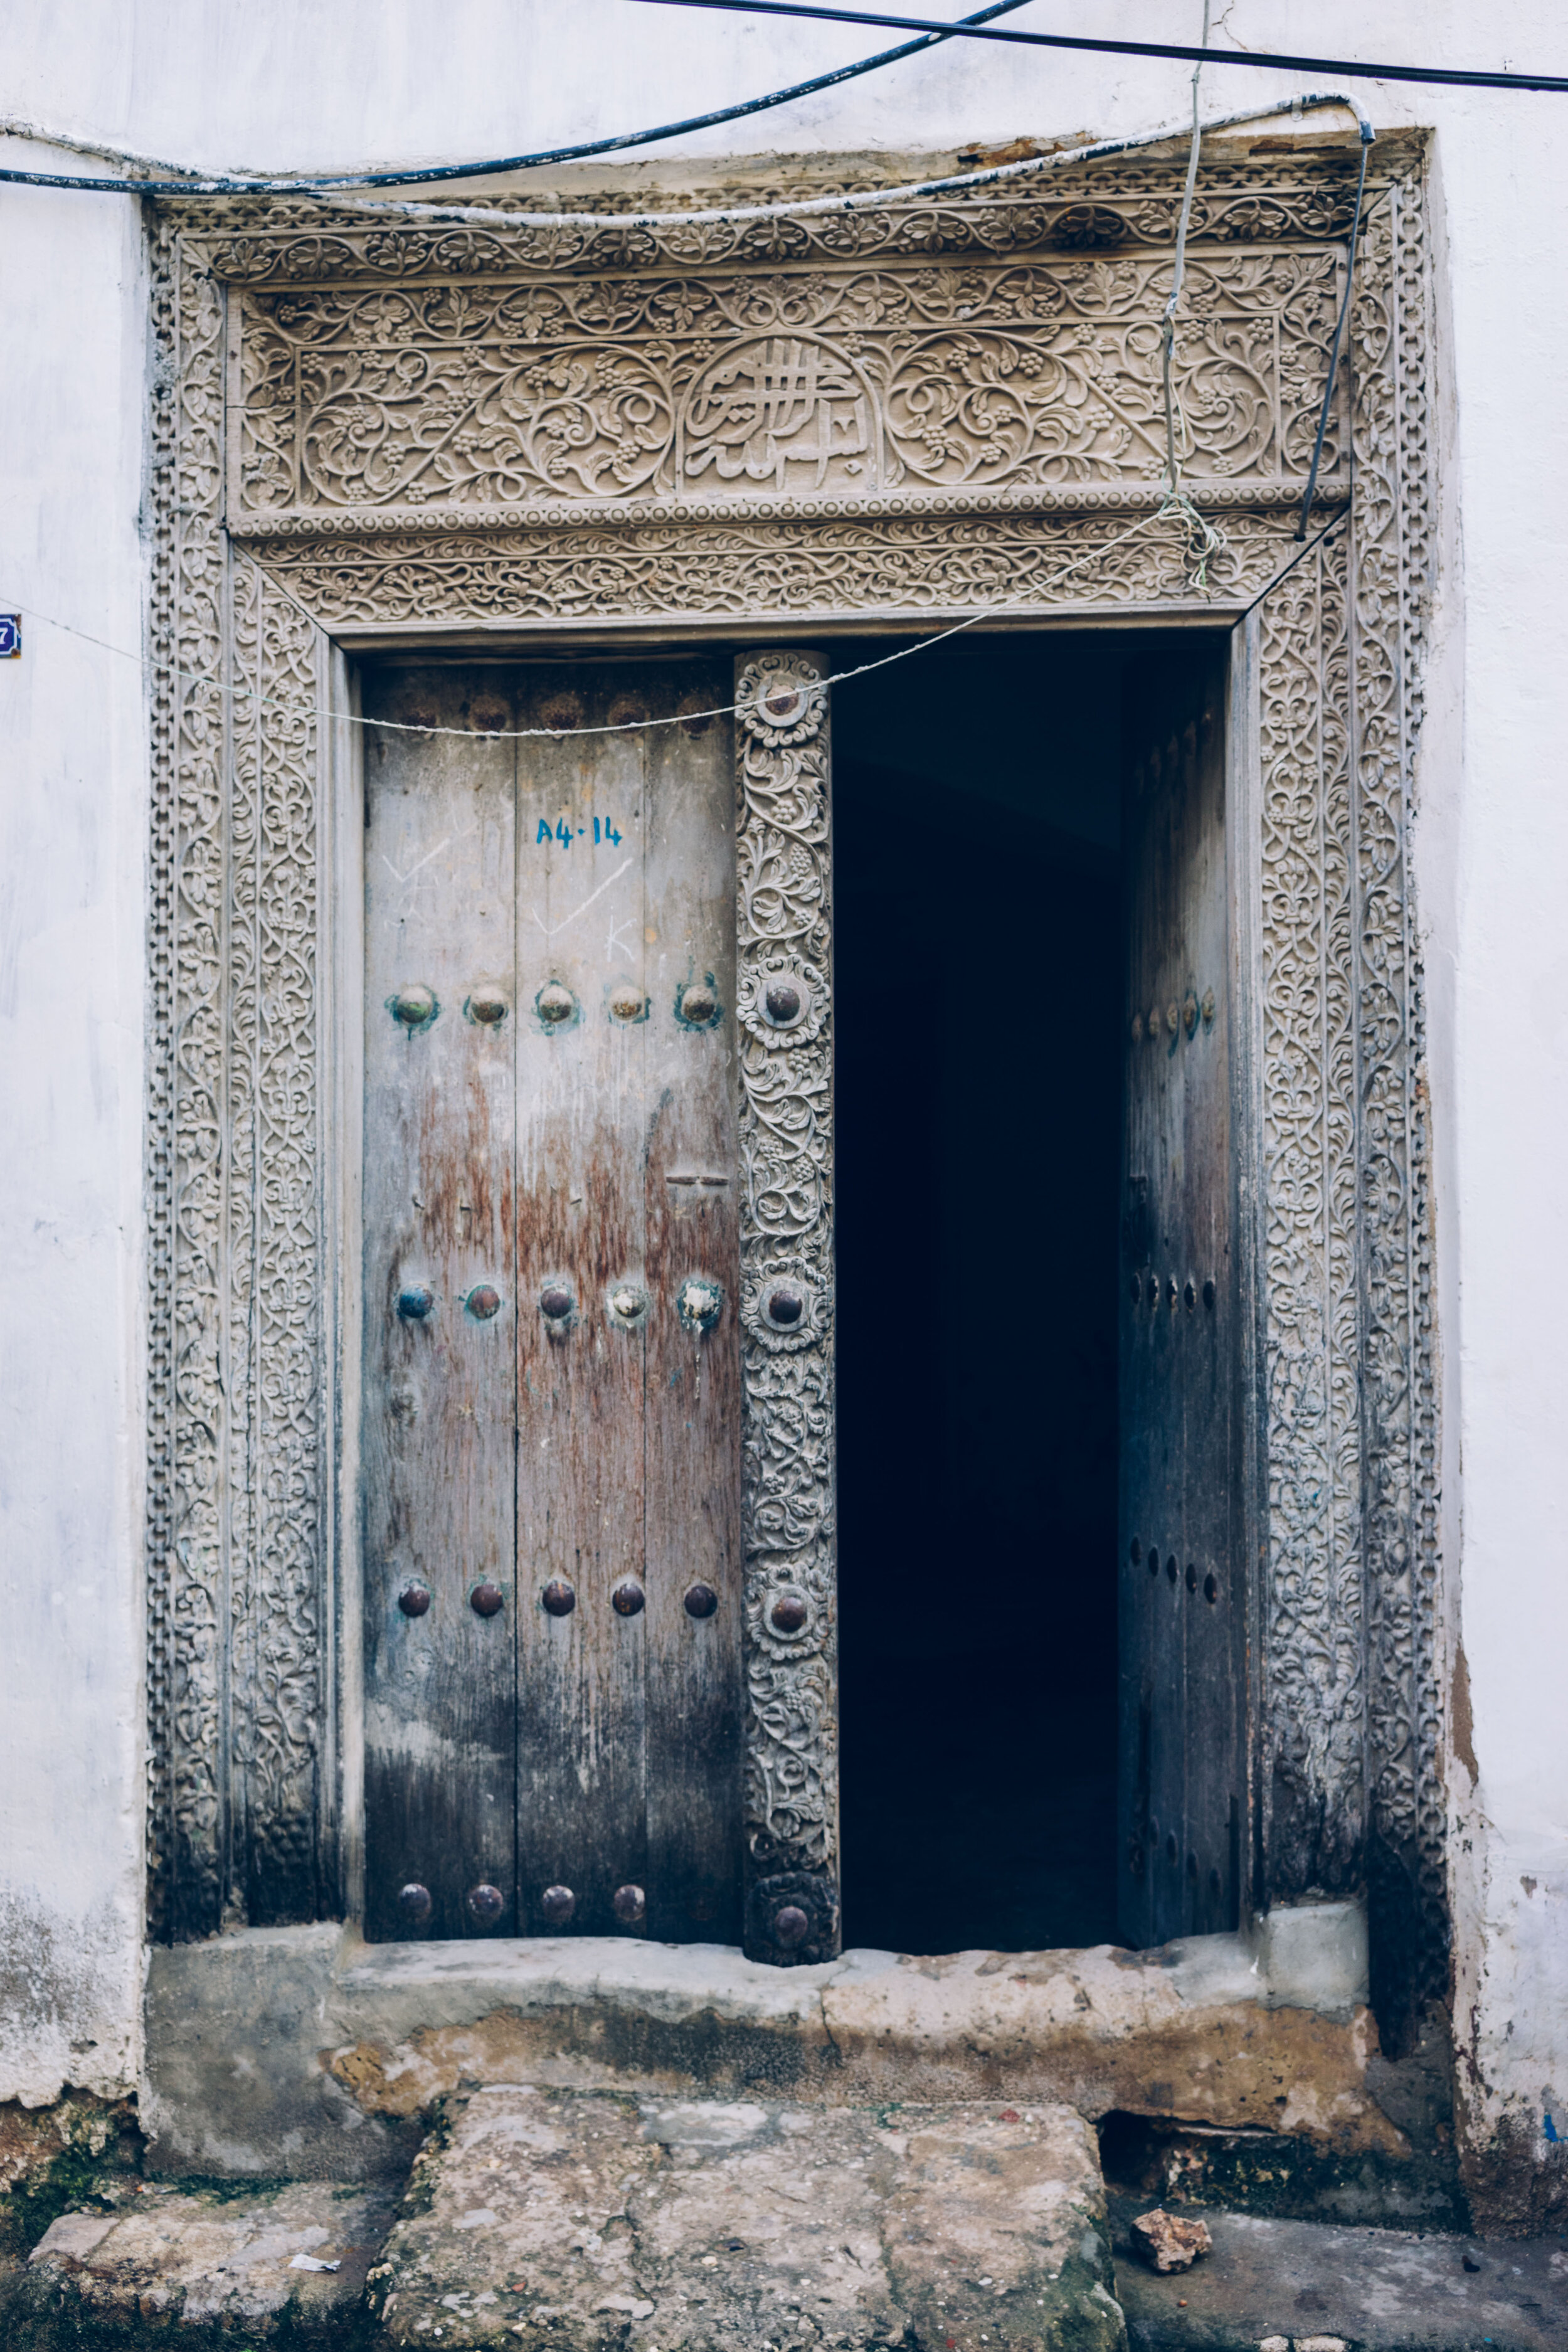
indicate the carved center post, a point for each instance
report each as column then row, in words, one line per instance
column 782, row 967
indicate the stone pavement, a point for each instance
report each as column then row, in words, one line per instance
column 592, row 2220
column 197, row 2267
column 1311, row 2286
column 562, row 2219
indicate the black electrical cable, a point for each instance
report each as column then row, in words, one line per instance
column 1450, row 78
column 195, row 186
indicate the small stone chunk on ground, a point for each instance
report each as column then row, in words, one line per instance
column 1171, row 2241
column 583, row 2220
column 287, row 2262
column 1315, row 2287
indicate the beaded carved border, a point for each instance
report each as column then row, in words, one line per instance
column 1349, row 1733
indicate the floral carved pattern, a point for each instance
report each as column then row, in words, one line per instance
column 235, row 1484
column 794, row 381
column 897, row 413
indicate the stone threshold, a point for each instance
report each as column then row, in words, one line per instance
column 304, row 2051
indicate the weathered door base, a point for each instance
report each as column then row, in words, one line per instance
column 302, row 512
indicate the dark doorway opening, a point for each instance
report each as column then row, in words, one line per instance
column 978, row 988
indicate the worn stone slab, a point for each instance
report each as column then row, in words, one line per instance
column 304, row 2051
column 588, row 2220
column 286, row 2264
column 1295, row 2284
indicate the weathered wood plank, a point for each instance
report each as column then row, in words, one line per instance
column 694, row 1719
column 1182, row 1607
column 438, row 1369
column 582, row 831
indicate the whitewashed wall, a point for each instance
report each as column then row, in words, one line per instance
column 295, row 84
column 73, row 827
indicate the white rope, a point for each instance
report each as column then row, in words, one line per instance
column 804, row 207
column 1204, row 540
column 482, row 216
column 555, row 734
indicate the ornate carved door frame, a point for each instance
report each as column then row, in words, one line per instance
column 428, row 434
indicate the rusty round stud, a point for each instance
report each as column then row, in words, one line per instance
column 628, row 1001
column 783, row 1306
column 1172, row 1016
column 629, row 1904
column 558, row 1904
column 487, row 1903
column 1192, row 1576
column 791, row 1925
column 782, row 1003
column 1190, row 1296
column 628, row 1304
column 487, row 1599
column 483, row 1302
column 1211, row 1586
column 700, row 1601
column 414, row 1006
column 700, row 1304
column 628, row 1598
column 1209, row 1292
column 1153, row 1560
column 1137, row 1028
column 697, row 1005
column 414, row 1902
column 413, row 1600
column 789, row 1613
column 1173, row 1568
column 1189, row 1013
column 415, row 1304
column 558, row 1598
column 554, row 1004
column 1153, row 1289
column 1171, row 1846
column 785, row 705
column 1172, row 1292
column 487, row 1006
column 556, row 1300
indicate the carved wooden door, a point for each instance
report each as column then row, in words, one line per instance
column 551, row 1393
column 1181, row 1610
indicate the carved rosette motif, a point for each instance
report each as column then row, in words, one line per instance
column 783, row 953
column 928, row 409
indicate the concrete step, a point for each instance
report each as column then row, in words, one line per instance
column 583, row 2220
column 1313, row 2286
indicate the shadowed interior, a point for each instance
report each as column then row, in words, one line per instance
column 978, row 989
